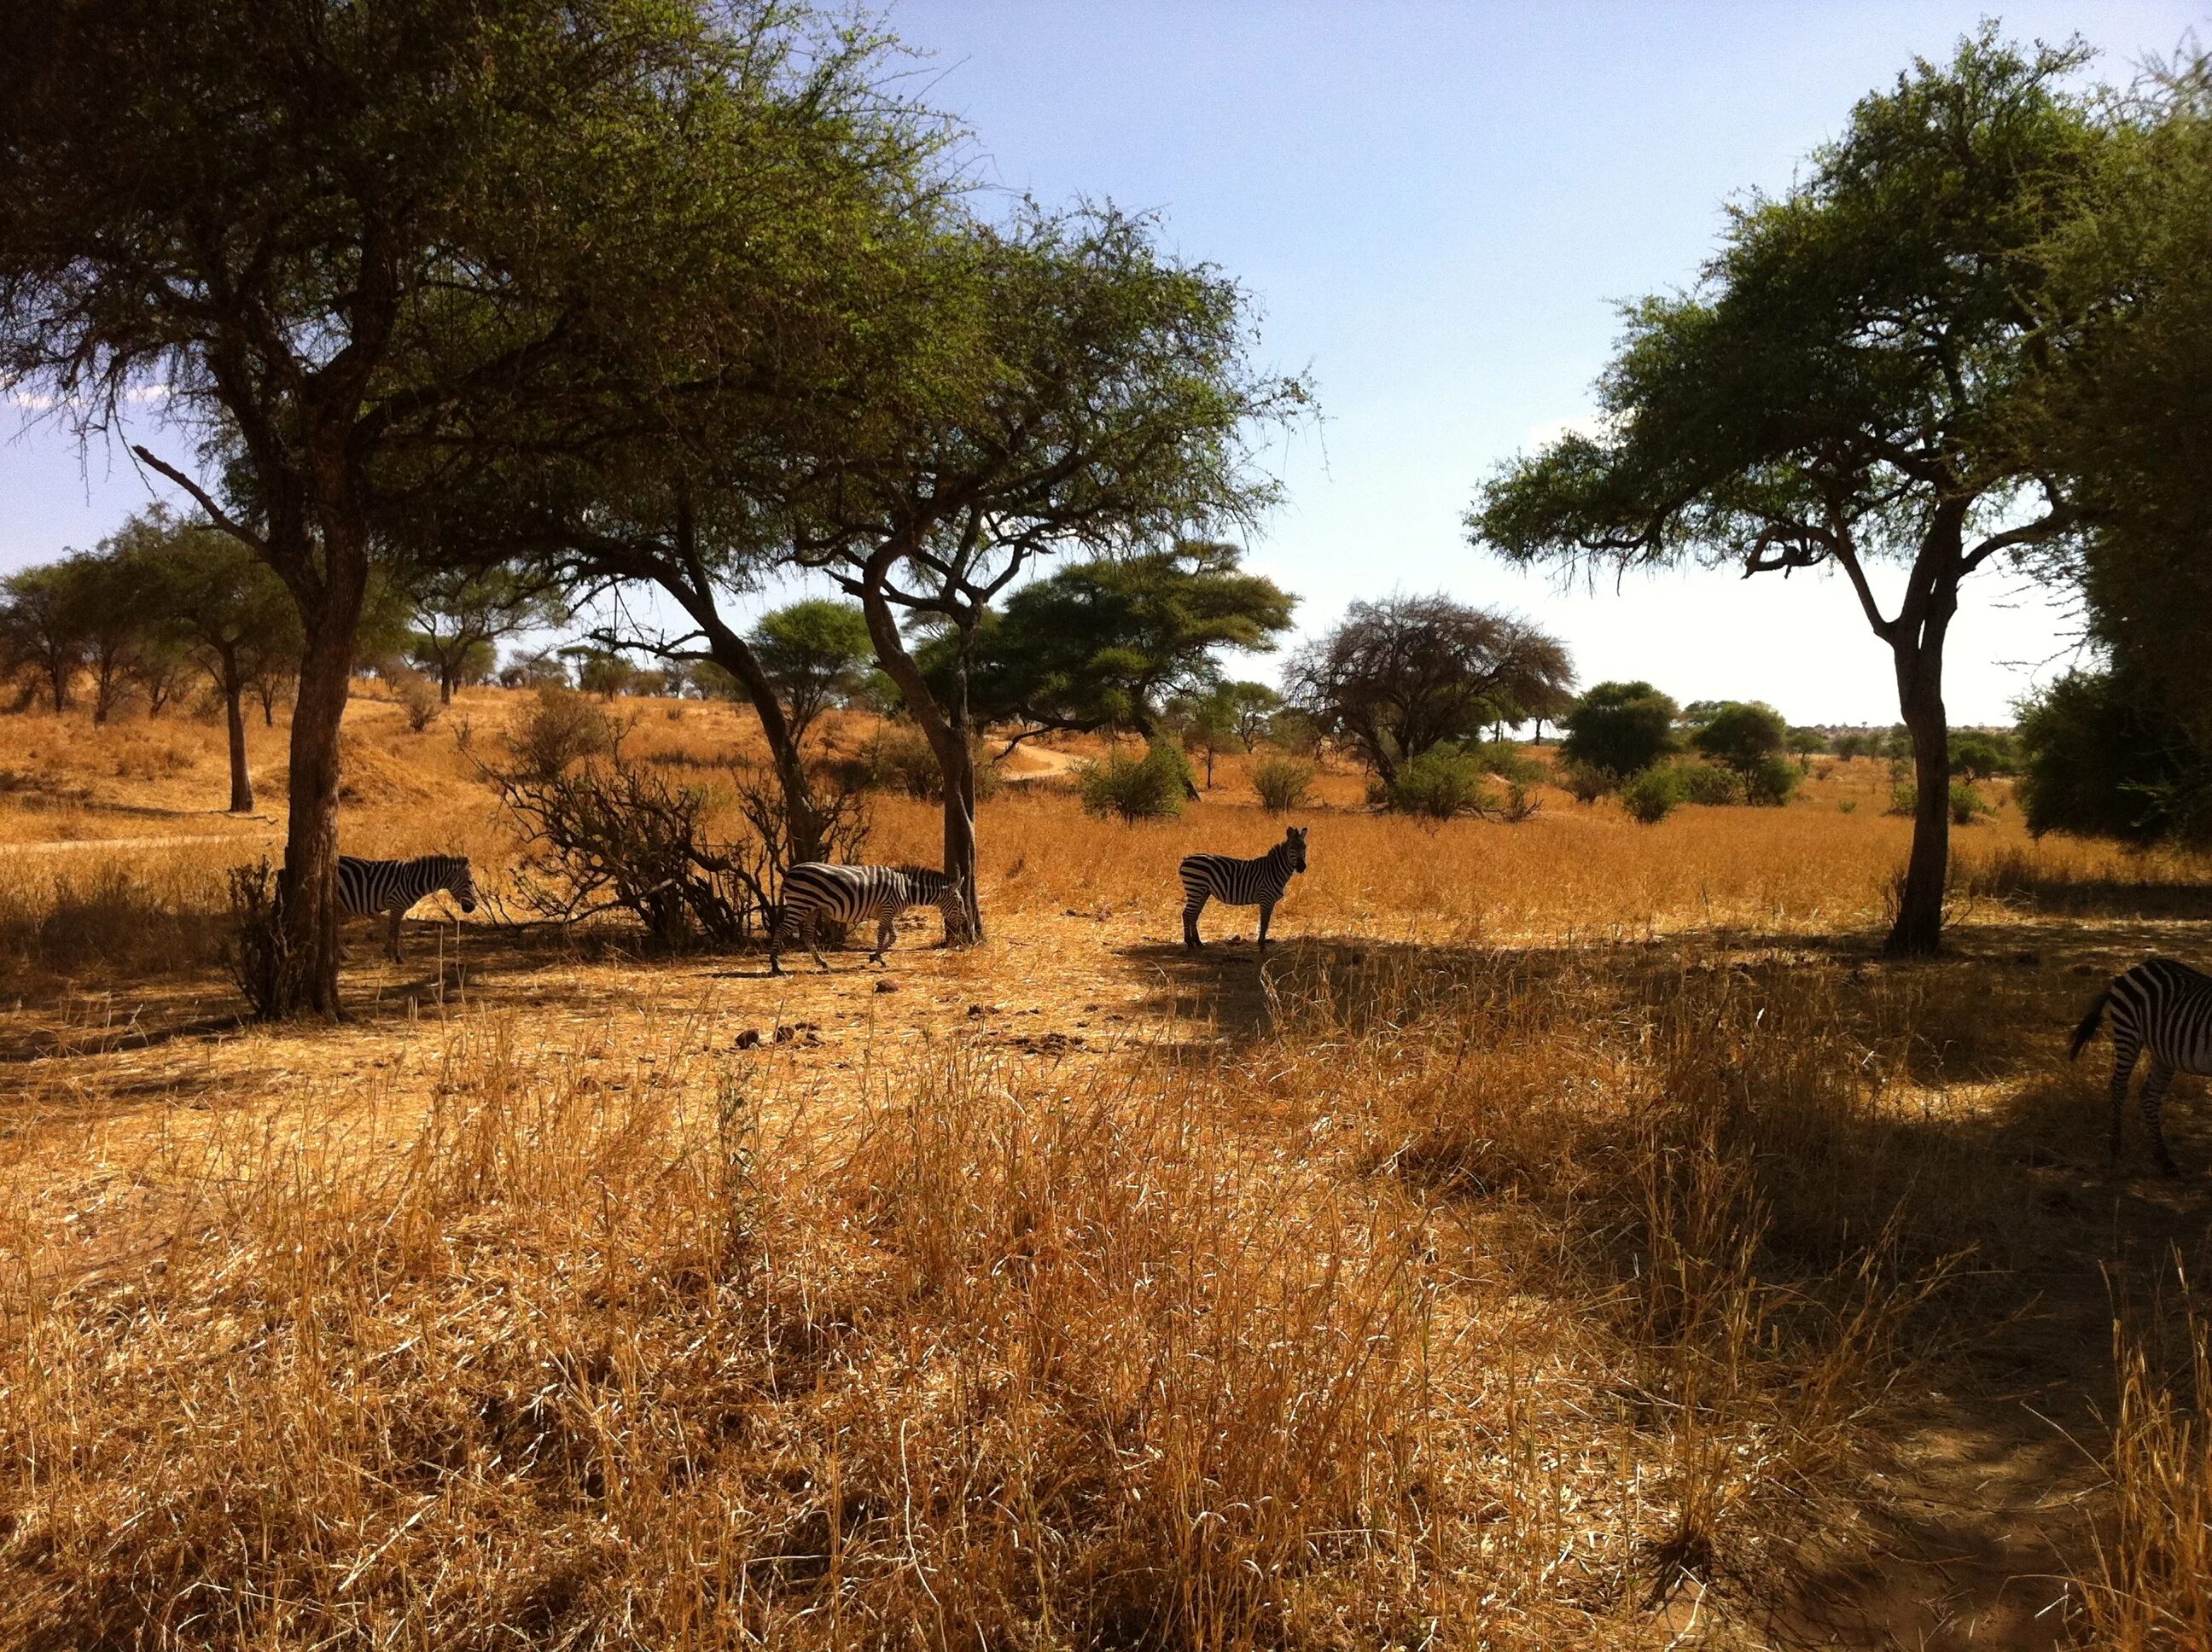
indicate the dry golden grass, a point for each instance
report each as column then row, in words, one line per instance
column 1556, row 1242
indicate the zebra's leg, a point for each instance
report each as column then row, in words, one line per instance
column 1267, row 911
column 2125, row 1052
column 784, row 925
column 397, row 913
column 1191, row 909
column 886, row 932
column 814, row 939
column 2153, row 1108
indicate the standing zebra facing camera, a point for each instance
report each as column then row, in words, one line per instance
column 815, row 890
column 1258, row 883
column 368, row 887
column 2163, row 1006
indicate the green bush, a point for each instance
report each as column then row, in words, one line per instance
column 1152, row 787
column 1704, row 783
column 1437, row 786
column 1651, row 796
column 1282, row 782
column 1510, row 762
column 1620, row 729
column 1904, row 797
column 1772, row 782
column 1968, row 804
column 899, row 758
column 1586, row 782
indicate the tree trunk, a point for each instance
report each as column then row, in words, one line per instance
column 331, row 610
column 945, row 726
column 444, row 683
column 1919, row 930
column 242, row 778
column 802, row 820
column 59, row 677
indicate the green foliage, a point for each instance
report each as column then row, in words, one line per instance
column 1106, row 643
column 1585, row 784
column 1653, row 794
column 1149, row 787
column 1978, row 755
column 1904, row 797
column 1706, row 784
column 900, row 758
column 1743, row 735
column 815, row 654
column 1854, row 378
column 1620, row 729
column 1773, row 782
column 1968, row 804
column 1437, row 786
column 1282, row 783
column 1510, row 762
column 2103, row 757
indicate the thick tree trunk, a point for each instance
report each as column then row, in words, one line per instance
column 1919, row 930
column 242, row 778
column 58, row 677
column 945, row 727
column 308, row 888
column 802, row 819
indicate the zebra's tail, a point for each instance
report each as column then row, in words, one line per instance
column 2090, row 1022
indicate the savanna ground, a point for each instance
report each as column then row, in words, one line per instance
column 1574, row 1233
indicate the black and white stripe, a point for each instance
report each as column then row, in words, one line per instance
column 815, row 890
column 2164, row 1007
column 1236, row 883
column 368, row 887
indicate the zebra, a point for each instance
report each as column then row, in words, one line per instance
column 815, row 890
column 1236, row 883
column 368, row 887
column 2163, row 1006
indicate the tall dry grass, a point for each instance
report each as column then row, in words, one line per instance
column 2151, row 1588
column 1489, row 1300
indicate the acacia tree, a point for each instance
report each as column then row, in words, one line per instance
column 1078, row 390
column 334, row 232
column 1620, row 729
column 1400, row 677
column 212, row 597
column 1108, row 643
column 1845, row 386
column 815, row 653
column 460, row 614
column 42, row 630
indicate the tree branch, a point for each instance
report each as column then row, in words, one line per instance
column 215, row 513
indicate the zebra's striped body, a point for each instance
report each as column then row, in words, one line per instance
column 815, row 890
column 2164, row 1007
column 1235, row 883
column 368, row 887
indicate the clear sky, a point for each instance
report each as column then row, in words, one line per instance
column 1436, row 209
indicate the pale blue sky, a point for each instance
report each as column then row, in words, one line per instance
column 1437, row 208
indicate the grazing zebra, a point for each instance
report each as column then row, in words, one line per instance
column 368, row 887
column 815, row 890
column 2162, row 1006
column 1236, row 883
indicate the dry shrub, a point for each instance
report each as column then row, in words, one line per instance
column 418, row 700
column 560, row 730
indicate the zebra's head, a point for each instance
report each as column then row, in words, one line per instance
column 461, row 883
column 953, row 903
column 1294, row 840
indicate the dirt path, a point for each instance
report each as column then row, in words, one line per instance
column 177, row 841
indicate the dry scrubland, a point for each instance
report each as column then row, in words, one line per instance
column 1574, row 1234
